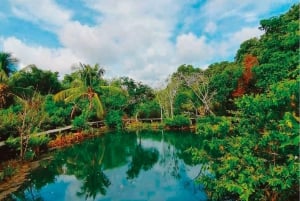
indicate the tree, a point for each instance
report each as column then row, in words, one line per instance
column 244, row 83
column 149, row 109
column 84, row 87
column 7, row 67
column 200, row 85
column 29, row 118
column 254, row 154
column 224, row 78
column 166, row 97
column 279, row 49
column 44, row 82
column 137, row 93
column 248, row 47
column 163, row 103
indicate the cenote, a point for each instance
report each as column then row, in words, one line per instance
column 118, row 166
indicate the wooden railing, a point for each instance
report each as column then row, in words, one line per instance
column 58, row 130
column 99, row 124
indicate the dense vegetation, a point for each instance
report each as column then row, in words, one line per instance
column 247, row 110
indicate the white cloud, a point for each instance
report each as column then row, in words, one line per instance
column 59, row 60
column 133, row 38
column 232, row 42
column 45, row 13
column 245, row 33
column 192, row 50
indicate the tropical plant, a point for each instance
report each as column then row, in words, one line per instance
column 113, row 119
column 7, row 67
column 29, row 119
column 84, row 87
column 42, row 81
column 177, row 121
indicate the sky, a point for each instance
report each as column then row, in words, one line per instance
column 146, row 40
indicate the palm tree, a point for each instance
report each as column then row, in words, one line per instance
column 7, row 66
column 84, row 87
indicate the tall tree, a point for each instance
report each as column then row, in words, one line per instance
column 84, row 87
column 199, row 83
column 7, row 66
column 42, row 81
column 279, row 49
column 137, row 93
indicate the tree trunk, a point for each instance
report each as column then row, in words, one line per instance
column 161, row 114
column 21, row 145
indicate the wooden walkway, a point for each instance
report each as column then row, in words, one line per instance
column 100, row 124
column 58, row 130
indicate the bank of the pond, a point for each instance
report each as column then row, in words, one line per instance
column 137, row 165
column 20, row 169
column 13, row 172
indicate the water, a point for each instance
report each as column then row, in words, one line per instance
column 119, row 166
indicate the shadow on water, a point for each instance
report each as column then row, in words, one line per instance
column 118, row 166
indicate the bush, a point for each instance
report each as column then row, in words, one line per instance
column 177, row 121
column 80, row 123
column 113, row 119
column 36, row 141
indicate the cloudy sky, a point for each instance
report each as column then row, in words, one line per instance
column 143, row 39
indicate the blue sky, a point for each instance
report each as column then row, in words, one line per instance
column 146, row 40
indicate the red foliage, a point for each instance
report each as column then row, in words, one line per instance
column 249, row 62
column 65, row 140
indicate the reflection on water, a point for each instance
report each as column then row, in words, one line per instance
column 119, row 166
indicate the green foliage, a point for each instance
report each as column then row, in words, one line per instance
column 58, row 112
column 177, row 122
column 7, row 172
column 254, row 154
column 36, row 141
column 29, row 155
column 80, row 122
column 148, row 109
column 224, row 80
column 83, row 86
column 138, row 93
column 279, row 48
column 7, row 65
column 250, row 47
column 113, row 119
column 114, row 98
column 44, row 82
column 13, row 142
column 185, row 102
column 8, row 122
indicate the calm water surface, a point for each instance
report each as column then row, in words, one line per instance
column 119, row 166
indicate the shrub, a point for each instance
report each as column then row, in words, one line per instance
column 80, row 123
column 178, row 121
column 113, row 119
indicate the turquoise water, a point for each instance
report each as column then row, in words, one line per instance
column 135, row 166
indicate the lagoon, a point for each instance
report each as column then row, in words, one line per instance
column 119, row 166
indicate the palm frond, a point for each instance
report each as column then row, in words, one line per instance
column 98, row 106
column 75, row 97
column 68, row 95
column 3, row 75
